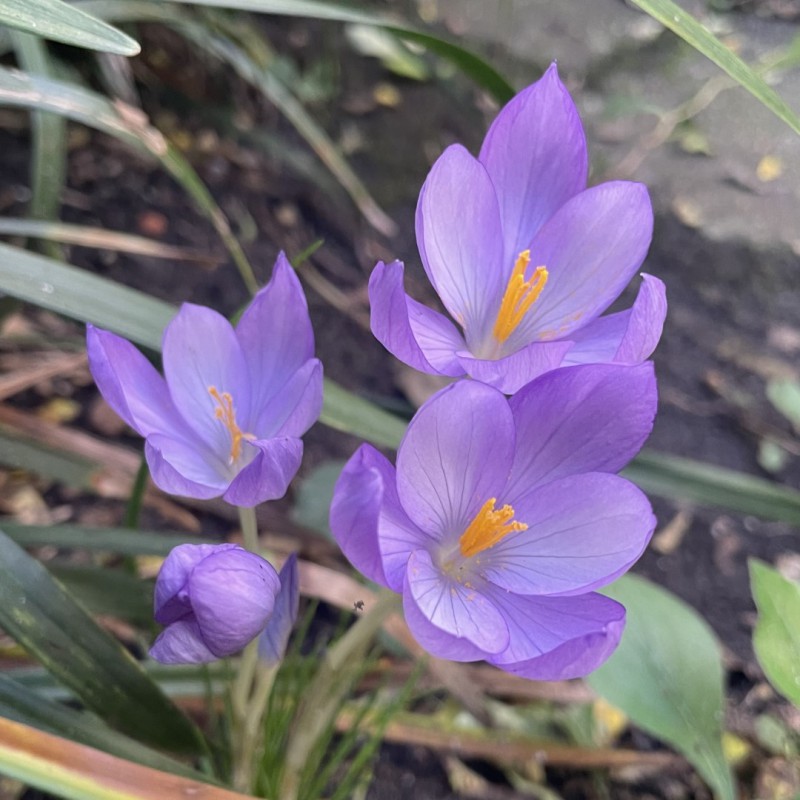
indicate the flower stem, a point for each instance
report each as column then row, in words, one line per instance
column 247, row 519
column 333, row 680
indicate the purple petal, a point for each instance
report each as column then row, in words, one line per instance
column 268, row 475
column 535, row 154
column 201, row 351
column 627, row 337
column 410, row 331
column 130, row 384
column 511, row 373
column 455, row 455
column 274, row 638
column 169, row 480
column 293, row 410
column 193, row 459
column 170, row 600
column 591, row 418
column 275, row 334
column 181, row 643
column 591, row 247
column 556, row 638
column 460, row 239
column 455, row 608
column 583, row 532
column 232, row 594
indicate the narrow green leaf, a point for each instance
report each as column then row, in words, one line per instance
column 666, row 675
column 49, row 624
column 53, row 19
column 313, row 497
column 19, row 703
column 350, row 413
column 785, row 396
column 776, row 638
column 672, row 16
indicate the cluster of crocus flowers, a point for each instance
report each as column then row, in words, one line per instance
column 523, row 256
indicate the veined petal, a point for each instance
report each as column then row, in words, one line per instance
column 130, row 384
column 275, row 334
column 590, row 418
column 592, row 247
column 201, row 351
column 455, row 455
column 172, row 481
column 457, row 609
column 511, row 373
column 627, row 337
column 459, row 236
column 583, row 532
column 275, row 637
column 268, row 475
column 181, row 643
column 535, row 154
column 556, row 638
column 296, row 407
column 415, row 334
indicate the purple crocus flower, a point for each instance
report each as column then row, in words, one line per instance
column 502, row 517
column 275, row 637
column 213, row 600
column 228, row 417
column 523, row 256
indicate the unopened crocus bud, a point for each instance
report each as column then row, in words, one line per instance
column 213, row 600
column 274, row 638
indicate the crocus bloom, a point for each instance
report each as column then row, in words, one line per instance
column 274, row 638
column 228, row 417
column 523, row 256
column 213, row 599
column 502, row 517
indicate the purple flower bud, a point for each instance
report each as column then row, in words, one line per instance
column 274, row 638
column 213, row 600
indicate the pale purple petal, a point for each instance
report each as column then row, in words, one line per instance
column 355, row 510
column 415, row 334
column 268, row 475
column 130, row 384
column 571, row 635
column 169, row 480
column 627, row 337
column 181, row 643
column 201, row 351
column 583, row 532
column 193, row 459
column 592, row 247
column 275, row 334
column 293, row 410
column 456, row 608
column 511, row 373
column 456, row 455
column 535, row 154
column 460, row 239
column 591, row 418
column 232, row 594
column 275, row 637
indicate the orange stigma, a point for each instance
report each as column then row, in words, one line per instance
column 488, row 528
column 226, row 414
column 519, row 296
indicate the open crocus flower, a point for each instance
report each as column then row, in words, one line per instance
column 213, row 600
column 502, row 517
column 523, row 256
column 228, row 417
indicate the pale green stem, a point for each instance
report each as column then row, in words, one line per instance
column 338, row 669
column 247, row 519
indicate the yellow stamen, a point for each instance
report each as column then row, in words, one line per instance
column 488, row 528
column 226, row 414
column 519, row 296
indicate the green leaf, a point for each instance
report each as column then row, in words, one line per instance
column 666, row 675
column 313, row 497
column 53, row 19
column 685, row 479
column 785, row 396
column 672, row 16
column 42, row 617
column 776, row 638
column 350, row 413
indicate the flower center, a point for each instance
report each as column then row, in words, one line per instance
column 226, row 414
column 519, row 296
column 488, row 528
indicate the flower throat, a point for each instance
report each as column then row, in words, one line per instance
column 226, row 414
